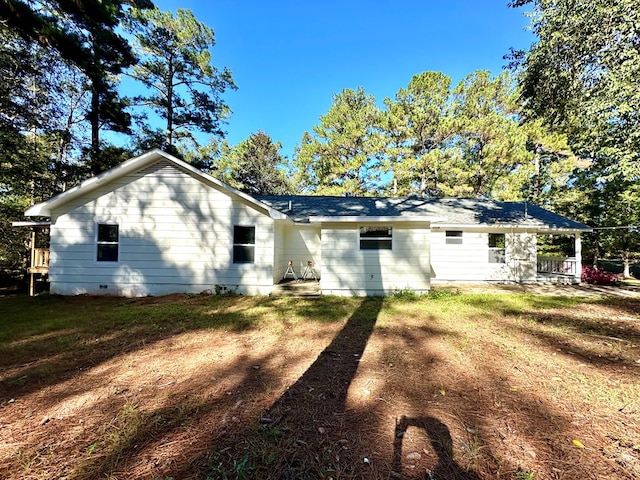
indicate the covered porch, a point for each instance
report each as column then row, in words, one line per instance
column 564, row 266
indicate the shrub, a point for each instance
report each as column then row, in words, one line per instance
column 406, row 293
column 595, row 276
column 445, row 293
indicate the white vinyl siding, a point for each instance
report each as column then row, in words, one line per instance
column 469, row 262
column 298, row 244
column 497, row 248
column 347, row 270
column 107, row 239
column 175, row 235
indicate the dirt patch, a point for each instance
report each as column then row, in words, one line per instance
column 471, row 387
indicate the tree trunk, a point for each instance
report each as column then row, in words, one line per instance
column 168, row 141
column 535, row 194
column 94, row 120
column 626, row 272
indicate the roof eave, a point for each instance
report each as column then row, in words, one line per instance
column 551, row 229
column 30, row 224
column 374, row 219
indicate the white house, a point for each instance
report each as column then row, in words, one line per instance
column 155, row 225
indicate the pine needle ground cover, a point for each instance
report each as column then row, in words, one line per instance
column 447, row 386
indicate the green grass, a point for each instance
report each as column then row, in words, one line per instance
column 48, row 325
column 24, row 317
column 47, row 339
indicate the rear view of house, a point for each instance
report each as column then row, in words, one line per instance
column 155, row 225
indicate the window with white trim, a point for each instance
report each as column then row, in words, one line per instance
column 453, row 237
column 107, row 240
column 376, row 238
column 244, row 244
column 497, row 248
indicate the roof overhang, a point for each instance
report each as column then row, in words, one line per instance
column 374, row 219
column 132, row 165
column 31, row 224
column 529, row 227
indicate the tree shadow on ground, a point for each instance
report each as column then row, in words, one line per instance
column 303, row 434
column 49, row 349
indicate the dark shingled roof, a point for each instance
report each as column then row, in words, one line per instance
column 459, row 211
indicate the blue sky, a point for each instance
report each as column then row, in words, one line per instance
column 289, row 57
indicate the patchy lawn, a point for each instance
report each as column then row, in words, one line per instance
column 450, row 386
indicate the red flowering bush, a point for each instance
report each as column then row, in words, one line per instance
column 596, row 276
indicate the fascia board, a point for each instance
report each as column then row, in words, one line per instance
column 508, row 226
column 372, row 219
column 30, row 224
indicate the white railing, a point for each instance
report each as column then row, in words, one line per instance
column 558, row 265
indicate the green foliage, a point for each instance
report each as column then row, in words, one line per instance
column 254, row 166
column 603, row 197
column 492, row 144
column 13, row 242
column 182, row 87
column 436, row 141
column 343, row 154
column 444, row 293
column 550, row 166
column 418, row 127
column 406, row 294
column 84, row 34
column 583, row 73
column 525, row 475
column 81, row 31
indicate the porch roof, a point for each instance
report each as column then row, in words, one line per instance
column 443, row 211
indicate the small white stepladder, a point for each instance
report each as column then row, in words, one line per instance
column 290, row 271
column 309, row 272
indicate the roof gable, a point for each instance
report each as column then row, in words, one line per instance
column 139, row 164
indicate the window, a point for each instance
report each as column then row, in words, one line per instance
column 375, row 238
column 107, row 243
column 244, row 244
column 496, row 248
column 453, row 237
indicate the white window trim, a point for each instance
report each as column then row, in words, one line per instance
column 497, row 249
column 234, row 244
column 96, row 243
column 454, row 239
column 373, row 251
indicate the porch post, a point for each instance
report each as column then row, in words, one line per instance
column 578, row 251
column 32, row 264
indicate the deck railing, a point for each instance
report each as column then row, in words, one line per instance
column 558, row 265
column 40, row 259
